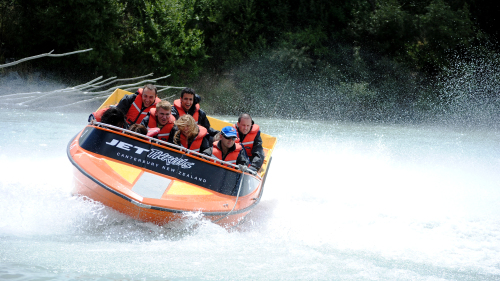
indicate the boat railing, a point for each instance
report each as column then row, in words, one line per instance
column 93, row 122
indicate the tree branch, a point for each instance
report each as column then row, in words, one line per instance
column 86, row 89
column 49, row 54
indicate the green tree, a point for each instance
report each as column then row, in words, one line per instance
column 417, row 33
column 64, row 26
column 162, row 36
column 441, row 29
column 128, row 37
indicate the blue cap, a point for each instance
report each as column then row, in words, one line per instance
column 229, row 132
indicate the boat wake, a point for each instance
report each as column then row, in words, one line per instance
column 343, row 201
column 42, row 205
column 384, row 203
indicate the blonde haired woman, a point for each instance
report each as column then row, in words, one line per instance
column 188, row 134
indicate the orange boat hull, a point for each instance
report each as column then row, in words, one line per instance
column 147, row 194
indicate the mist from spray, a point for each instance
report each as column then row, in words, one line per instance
column 364, row 89
column 469, row 91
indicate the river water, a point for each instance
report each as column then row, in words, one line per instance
column 343, row 201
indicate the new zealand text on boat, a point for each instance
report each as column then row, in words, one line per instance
column 155, row 181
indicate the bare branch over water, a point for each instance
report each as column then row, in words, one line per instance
column 83, row 93
column 49, row 54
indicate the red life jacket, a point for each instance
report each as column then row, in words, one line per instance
column 180, row 110
column 231, row 157
column 135, row 113
column 196, row 144
column 165, row 130
column 98, row 114
column 249, row 138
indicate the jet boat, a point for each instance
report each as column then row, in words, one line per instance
column 154, row 181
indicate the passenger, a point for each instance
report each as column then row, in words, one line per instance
column 188, row 134
column 97, row 116
column 136, row 106
column 160, row 117
column 113, row 116
column 227, row 149
column 189, row 103
column 138, row 129
column 249, row 137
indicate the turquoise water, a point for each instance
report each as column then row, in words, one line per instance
column 342, row 201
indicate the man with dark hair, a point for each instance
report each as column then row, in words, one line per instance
column 189, row 103
column 113, row 116
column 136, row 106
column 249, row 137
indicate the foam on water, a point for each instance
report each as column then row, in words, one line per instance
column 342, row 201
column 335, row 206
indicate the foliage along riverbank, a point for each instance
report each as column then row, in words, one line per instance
column 354, row 60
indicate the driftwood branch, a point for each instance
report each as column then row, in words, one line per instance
column 49, row 54
column 126, row 86
column 86, row 89
column 96, row 98
column 84, row 92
